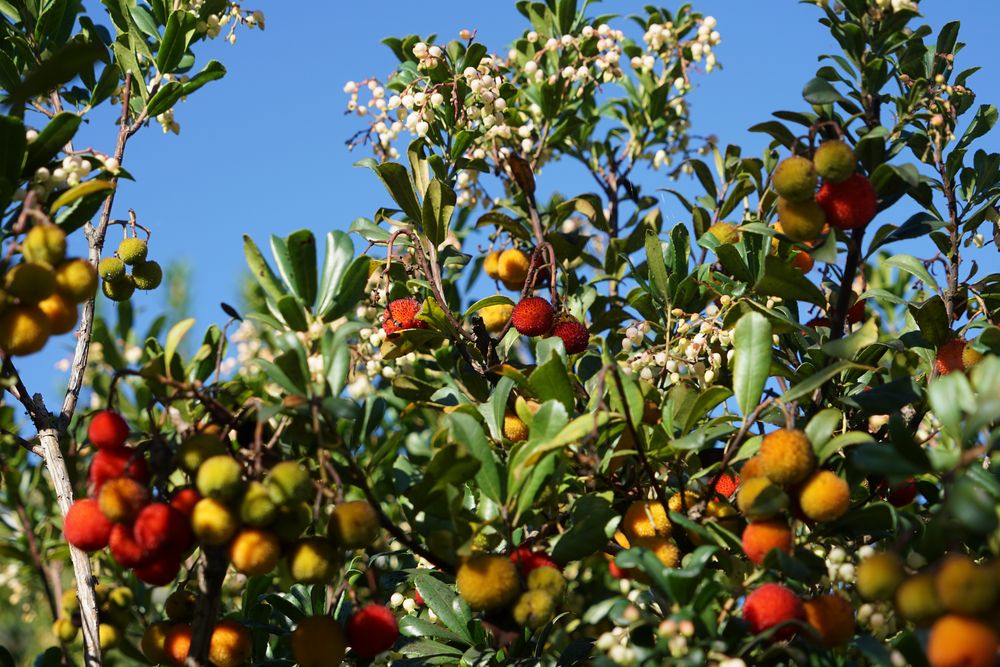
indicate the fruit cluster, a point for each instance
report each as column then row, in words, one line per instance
column 119, row 285
column 525, row 587
column 845, row 200
column 114, row 613
column 41, row 294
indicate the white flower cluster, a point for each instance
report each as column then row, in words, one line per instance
column 897, row 5
column 72, row 171
column 662, row 43
column 213, row 25
column 696, row 350
column 167, row 122
column 615, row 644
column 369, row 363
column 602, row 66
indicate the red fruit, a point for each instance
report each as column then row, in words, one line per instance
column 849, row 204
column 727, row 484
column 372, row 630
column 159, row 570
column 760, row 537
column 159, row 528
column 528, row 560
column 574, row 334
column 817, row 322
column 111, row 463
column 771, row 604
column 899, row 495
column 184, row 500
column 856, row 313
column 949, row 357
column 616, row 571
column 107, row 430
column 532, row 316
column 402, row 314
column 124, row 548
column 418, row 598
column 86, row 527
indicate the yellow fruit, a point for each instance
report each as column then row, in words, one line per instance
column 313, row 560
column 725, row 232
column 230, row 644
column 917, row 599
column 65, row 630
column 108, row 636
column 220, row 477
column 824, row 496
column 879, row 575
column 318, row 641
column 488, row 582
column 213, row 522
column 664, row 549
column 491, row 264
column 646, row 519
column 801, row 221
column 147, row 275
column 786, row 456
column 495, row 317
column 29, row 282
column 621, row 540
column 680, row 505
column 61, row 312
column 256, row 507
column 153, row 641
column 759, row 498
column 795, row 179
column 957, row 641
column 752, row 468
column 965, row 587
column 834, row 161
column 289, row 482
column 832, row 617
column 76, row 279
column 353, row 524
column 534, row 609
column 255, row 552
column 111, row 269
column 197, row 449
column 121, row 499
column 23, row 330
column 514, row 429
column 970, row 357
column 44, row 244
column 549, row 579
column 132, row 251
column 512, row 267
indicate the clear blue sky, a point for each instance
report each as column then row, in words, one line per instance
column 262, row 150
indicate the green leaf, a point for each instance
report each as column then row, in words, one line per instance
column 439, row 205
column 13, row 145
column 495, row 300
column 784, row 280
column 58, row 132
column 81, row 190
column 820, row 91
column 212, row 70
column 752, row 360
column 913, row 266
column 450, row 609
column 830, row 447
column 590, row 522
column 292, row 312
column 62, row 67
column 467, row 431
column 821, row 427
column 339, row 251
column 349, row 291
column 301, row 246
column 851, row 346
column 982, row 122
column 397, row 181
column 261, row 270
column 176, row 37
column 174, row 338
column 931, row 317
column 165, row 98
column 550, row 381
column 657, row 267
column 816, row 380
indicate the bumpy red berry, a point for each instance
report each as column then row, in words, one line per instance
column 371, row 631
column 107, row 430
column 533, row 316
column 573, row 333
column 770, row 605
column 849, row 204
column 402, row 314
column 86, row 527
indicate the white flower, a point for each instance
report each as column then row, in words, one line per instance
column 420, row 49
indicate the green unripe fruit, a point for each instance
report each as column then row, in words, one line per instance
column 44, row 244
column 759, row 498
column 119, row 290
column 147, row 275
column 30, row 283
column 197, row 449
column 289, row 482
column 801, row 221
column 879, row 575
column 121, row 597
column 102, row 592
column 534, row 609
column 111, row 269
column 549, row 579
column 291, row 521
column 212, row 522
column 917, row 601
column 76, row 279
column 65, row 630
column 313, row 560
column 132, row 251
column 257, row 509
column 834, row 161
column 220, row 477
column 795, row 178
column 179, row 606
column 353, row 524
column 109, row 636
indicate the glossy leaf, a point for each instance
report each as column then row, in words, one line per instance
column 752, row 360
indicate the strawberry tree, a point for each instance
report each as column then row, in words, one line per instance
column 499, row 423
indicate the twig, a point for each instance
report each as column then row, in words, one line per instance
column 846, row 283
column 210, row 576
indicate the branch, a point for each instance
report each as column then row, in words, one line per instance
column 210, row 577
column 844, row 295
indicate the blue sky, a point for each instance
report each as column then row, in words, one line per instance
column 262, row 151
